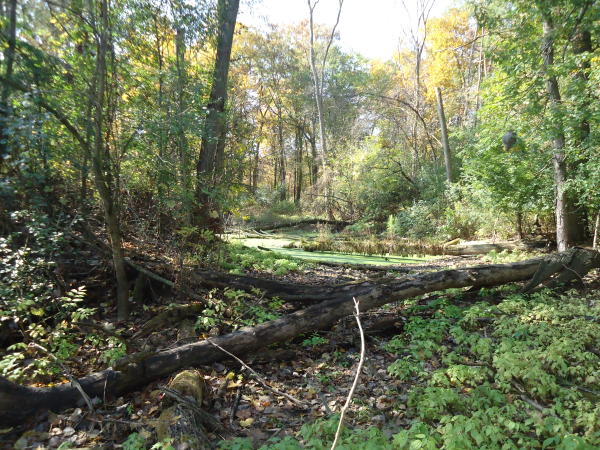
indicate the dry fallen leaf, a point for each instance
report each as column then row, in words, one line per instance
column 247, row 422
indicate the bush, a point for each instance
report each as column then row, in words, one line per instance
column 284, row 207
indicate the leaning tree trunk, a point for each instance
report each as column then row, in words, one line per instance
column 132, row 371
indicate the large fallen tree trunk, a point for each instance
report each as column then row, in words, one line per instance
column 148, row 367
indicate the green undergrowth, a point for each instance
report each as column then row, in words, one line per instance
column 520, row 374
column 506, row 256
column 38, row 306
column 241, row 257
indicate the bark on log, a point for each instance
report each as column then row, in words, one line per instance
column 248, row 339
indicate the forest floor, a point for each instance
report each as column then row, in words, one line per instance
column 317, row 369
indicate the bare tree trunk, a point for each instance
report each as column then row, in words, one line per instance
column 520, row 224
column 445, row 140
column 582, row 44
column 318, row 83
column 213, row 140
column 299, row 148
column 314, row 170
column 102, row 181
column 180, row 50
column 282, row 177
column 9, row 57
column 595, row 245
column 559, row 157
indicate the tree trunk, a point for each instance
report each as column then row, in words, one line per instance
column 101, row 169
column 318, row 84
column 9, row 57
column 213, row 140
column 520, row 224
column 595, row 244
column 314, row 157
column 559, row 159
column 299, row 148
column 180, row 58
column 282, row 180
column 582, row 43
column 143, row 368
column 442, row 116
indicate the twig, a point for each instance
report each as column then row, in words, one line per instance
column 358, row 370
column 71, row 379
column 205, row 417
column 278, row 432
column 167, row 282
column 260, row 379
column 533, row 403
column 104, row 330
column 318, row 391
column 126, row 422
column 234, row 408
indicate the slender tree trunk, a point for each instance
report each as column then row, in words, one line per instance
column 318, row 84
column 582, row 44
column 282, row 180
column 102, row 182
column 520, row 224
column 445, row 140
column 559, row 157
column 595, row 245
column 9, row 57
column 88, row 136
column 299, row 148
column 314, row 157
column 159, row 187
column 180, row 50
column 213, row 140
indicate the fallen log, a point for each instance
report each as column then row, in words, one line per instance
column 337, row 223
column 479, row 248
column 318, row 317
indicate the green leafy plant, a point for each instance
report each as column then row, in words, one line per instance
column 314, row 341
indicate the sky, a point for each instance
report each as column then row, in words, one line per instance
column 369, row 27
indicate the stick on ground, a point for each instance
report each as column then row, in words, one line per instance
column 259, row 378
column 358, row 370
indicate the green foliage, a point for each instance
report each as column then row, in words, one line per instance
column 284, row 208
column 241, row 258
column 536, row 350
column 138, row 441
column 314, row 341
column 506, row 256
column 319, row 436
column 42, row 310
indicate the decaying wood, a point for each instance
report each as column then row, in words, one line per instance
column 317, row 317
column 171, row 315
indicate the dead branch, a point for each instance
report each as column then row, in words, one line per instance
column 358, row 370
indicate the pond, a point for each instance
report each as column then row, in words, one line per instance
column 277, row 244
